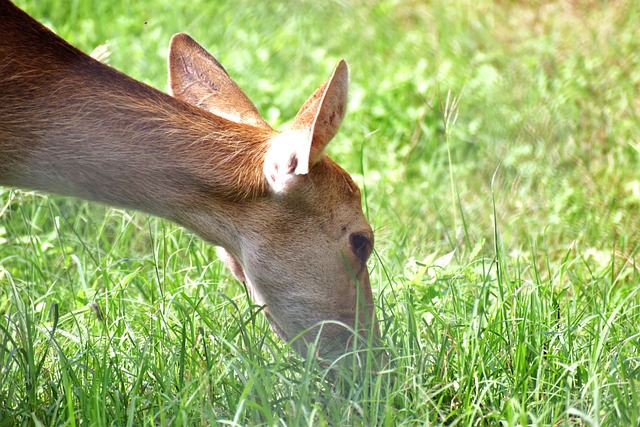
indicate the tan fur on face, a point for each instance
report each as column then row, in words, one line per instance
column 282, row 211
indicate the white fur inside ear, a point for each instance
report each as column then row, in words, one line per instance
column 287, row 159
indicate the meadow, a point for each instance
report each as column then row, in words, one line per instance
column 497, row 144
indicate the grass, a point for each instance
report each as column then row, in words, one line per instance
column 500, row 147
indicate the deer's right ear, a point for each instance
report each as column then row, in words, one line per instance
column 293, row 152
column 198, row 78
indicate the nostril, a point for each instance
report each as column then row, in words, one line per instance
column 361, row 246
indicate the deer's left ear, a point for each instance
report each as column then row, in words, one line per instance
column 198, row 78
column 294, row 151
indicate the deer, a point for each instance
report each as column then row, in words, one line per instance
column 286, row 219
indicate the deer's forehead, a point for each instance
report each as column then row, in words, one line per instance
column 334, row 182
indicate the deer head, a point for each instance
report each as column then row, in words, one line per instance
column 300, row 248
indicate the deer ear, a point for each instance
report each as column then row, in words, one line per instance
column 198, row 78
column 294, row 151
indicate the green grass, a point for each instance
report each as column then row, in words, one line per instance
column 500, row 147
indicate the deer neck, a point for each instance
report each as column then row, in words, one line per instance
column 73, row 126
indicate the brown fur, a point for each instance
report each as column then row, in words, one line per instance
column 60, row 103
column 284, row 213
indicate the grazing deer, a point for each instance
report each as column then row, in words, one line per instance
column 287, row 219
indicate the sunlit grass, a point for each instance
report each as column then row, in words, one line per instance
column 499, row 145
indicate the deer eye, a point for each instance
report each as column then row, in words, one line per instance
column 361, row 246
